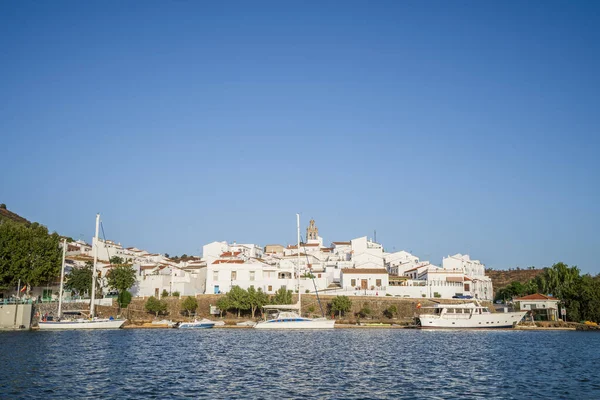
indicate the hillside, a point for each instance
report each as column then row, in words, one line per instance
column 501, row 278
column 6, row 214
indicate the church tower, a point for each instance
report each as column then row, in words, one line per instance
column 312, row 232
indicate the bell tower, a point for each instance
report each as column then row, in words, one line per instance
column 312, row 232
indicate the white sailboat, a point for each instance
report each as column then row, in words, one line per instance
column 81, row 323
column 288, row 316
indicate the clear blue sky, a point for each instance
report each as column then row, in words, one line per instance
column 448, row 127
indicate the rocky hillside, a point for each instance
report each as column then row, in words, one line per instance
column 502, row 278
column 6, row 214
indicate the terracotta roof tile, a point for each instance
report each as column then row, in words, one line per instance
column 536, row 296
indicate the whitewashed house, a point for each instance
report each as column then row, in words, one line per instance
column 399, row 262
column 481, row 287
column 370, row 281
column 366, row 253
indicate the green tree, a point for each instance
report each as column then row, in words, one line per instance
column 341, row 305
column 124, row 299
column 224, row 304
column 155, row 305
column 28, row 253
column 121, row 277
column 283, row 296
column 238, row 299
column 189, row 304
column 164, row 293
column 256, row 299
column 116, row 260
column 79, row 280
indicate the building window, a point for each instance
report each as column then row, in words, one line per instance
column 269, row 288
column 377, row 282
column 251, row 275
column 215, row 275
column 233, row 275
column 353, row 282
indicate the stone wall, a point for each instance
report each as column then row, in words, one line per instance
column 406, row 308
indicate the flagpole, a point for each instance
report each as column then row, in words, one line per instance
column 19, row 289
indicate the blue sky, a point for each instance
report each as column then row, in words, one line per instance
column 448, row 127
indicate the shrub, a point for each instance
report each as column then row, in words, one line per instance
column 164, row 293
column 155, row 305
column 341, row 304
column 189, row 304
column 436, row 294
column 176, row 294
column 390, row 311
column 364, row 312
column 124, row 298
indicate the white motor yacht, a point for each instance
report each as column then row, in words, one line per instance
column 468, row 315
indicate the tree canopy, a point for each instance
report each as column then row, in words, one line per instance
column 341, row 304
column 256, row 299
column 155, row 305
column 80, row 279
column 28, row 253
column 121, row 277
column 189, row 305
column 283, row 296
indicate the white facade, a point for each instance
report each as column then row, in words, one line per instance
column 223, row 274
column 357, row 279
column 399, row 262
column 366, row 253
column 481, row 287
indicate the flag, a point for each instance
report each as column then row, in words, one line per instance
column 24, row 288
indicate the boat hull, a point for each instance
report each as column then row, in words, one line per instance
column 311, row 324
column 83, row 324
column 192, row 325
column 485, row 321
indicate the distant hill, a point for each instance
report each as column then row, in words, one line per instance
column 6, row 214
column 501, row 279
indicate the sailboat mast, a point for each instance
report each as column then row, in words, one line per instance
column 299, row 291
column 62, row 278
column 94, row 269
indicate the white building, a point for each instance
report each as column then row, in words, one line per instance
column 481, row 287
column 366, row 253
column 399, row 262
column 222, row 274
column 371, row 281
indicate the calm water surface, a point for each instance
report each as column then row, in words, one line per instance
column 342, row 363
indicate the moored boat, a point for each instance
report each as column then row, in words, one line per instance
column 466, row 316
column 95, row 323
column 80, row 323
column 288, row 316
column 202, row 324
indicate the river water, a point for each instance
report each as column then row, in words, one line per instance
column 341, row 363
